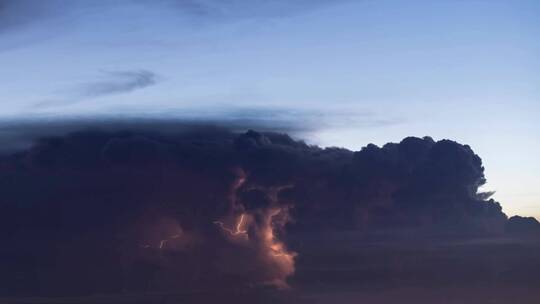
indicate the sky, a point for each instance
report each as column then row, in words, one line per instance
column 345, row 73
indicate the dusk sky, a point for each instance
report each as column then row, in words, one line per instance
column 358, row 71
column 143, row 210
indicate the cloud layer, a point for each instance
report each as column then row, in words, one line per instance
column 105, row 211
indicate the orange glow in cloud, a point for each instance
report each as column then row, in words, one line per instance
column 258, row 228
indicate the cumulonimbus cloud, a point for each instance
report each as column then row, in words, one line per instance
column 215, row 209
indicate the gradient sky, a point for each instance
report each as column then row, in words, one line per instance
column 352, row 72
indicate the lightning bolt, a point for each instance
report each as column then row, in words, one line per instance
column 164, row 242
column 238, row 229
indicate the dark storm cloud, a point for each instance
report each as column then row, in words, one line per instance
column 151, row 209
column 20, row 133
column 524, row 226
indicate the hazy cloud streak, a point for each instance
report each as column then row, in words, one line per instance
column 119, row 82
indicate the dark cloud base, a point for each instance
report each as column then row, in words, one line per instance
column 209, row 213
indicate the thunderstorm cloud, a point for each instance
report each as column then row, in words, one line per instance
column 214, row 209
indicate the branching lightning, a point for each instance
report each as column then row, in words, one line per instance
column 238, row 229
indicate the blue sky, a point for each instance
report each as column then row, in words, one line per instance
column 352, row 72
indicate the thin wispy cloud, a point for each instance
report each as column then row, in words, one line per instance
column 20, row 13
column 110, row 83
column 119, row 82
column 239, row 9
